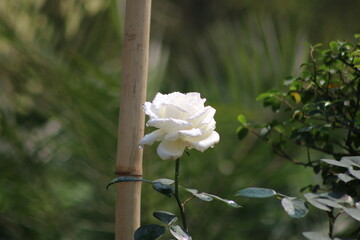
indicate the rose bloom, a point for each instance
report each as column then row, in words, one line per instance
column 182, row 121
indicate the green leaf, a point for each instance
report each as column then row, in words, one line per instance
column 315, row 236
column 242, row 119
column 334, row 46
column 315, row 112
column 344, row 177
column 345, row 238
column 127, row 179
column 352, row 160
column 166, row 217
column 202, row 196
column 279, row 129
column 253, row 192
column 165, row 189
column 209, row 197
column 336, row 163
column 353, row 212
column 178, row 233
column 296, row 208
column 164, row 181
column 242, row 132
column 306, row 64
column 355, row 173
column 329, row 202
column 231, row 203
column 356, row 61
column 269, row 95
column 339, row 198
column 263, row 96
column 312, row 199
column 329, row 199
column 149, row 232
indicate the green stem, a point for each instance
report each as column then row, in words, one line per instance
column 176, row 195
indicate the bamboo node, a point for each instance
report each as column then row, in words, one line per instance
column 128, row 174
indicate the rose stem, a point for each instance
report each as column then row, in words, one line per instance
column 176, row 195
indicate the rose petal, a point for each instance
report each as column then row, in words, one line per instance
column 150, row 138
column 174, row 136
column 205, row 116
column 208, row 127
column 169, row 124
column 191, row 133
column 204, row 144
column 159, row 98
column 150, row 110
column 194, row 99
column 171, row 149
column 177, row 112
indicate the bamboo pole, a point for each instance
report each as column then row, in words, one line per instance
column 131, row 116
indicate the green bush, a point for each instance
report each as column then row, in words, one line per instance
column 320, row 111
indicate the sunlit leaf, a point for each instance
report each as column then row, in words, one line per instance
column 231, row 203
column 178, row 233
column 312, row 199
column 202, row 196
column 337, row 197
column 355, row 173
column 165, row 181
column 353, row 212
column 351, row 160
column 336, row 163
column 149, row 232
column 329, row 202
column 315, row 236
column 296, row 208
column 333, row 45
column 242, row 119
column 344, row 177
column 254, row 192
column 296, row 96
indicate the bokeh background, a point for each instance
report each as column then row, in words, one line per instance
column 60, row 72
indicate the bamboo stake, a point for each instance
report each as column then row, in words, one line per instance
column 131, row 116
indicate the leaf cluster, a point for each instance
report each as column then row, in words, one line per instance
column 320, row 110
column 164, row 187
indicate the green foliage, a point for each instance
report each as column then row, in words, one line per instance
column 149, row 232
column 256, row 192
column 294, row 207
column 322, row 105
column 166, row 217
column 320, row 111
column 163, row 186
column 178, row 233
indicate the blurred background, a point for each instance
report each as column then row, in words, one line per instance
column 60, row 70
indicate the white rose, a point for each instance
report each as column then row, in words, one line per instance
column 182, row 121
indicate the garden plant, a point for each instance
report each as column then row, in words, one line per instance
column 320, row 112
